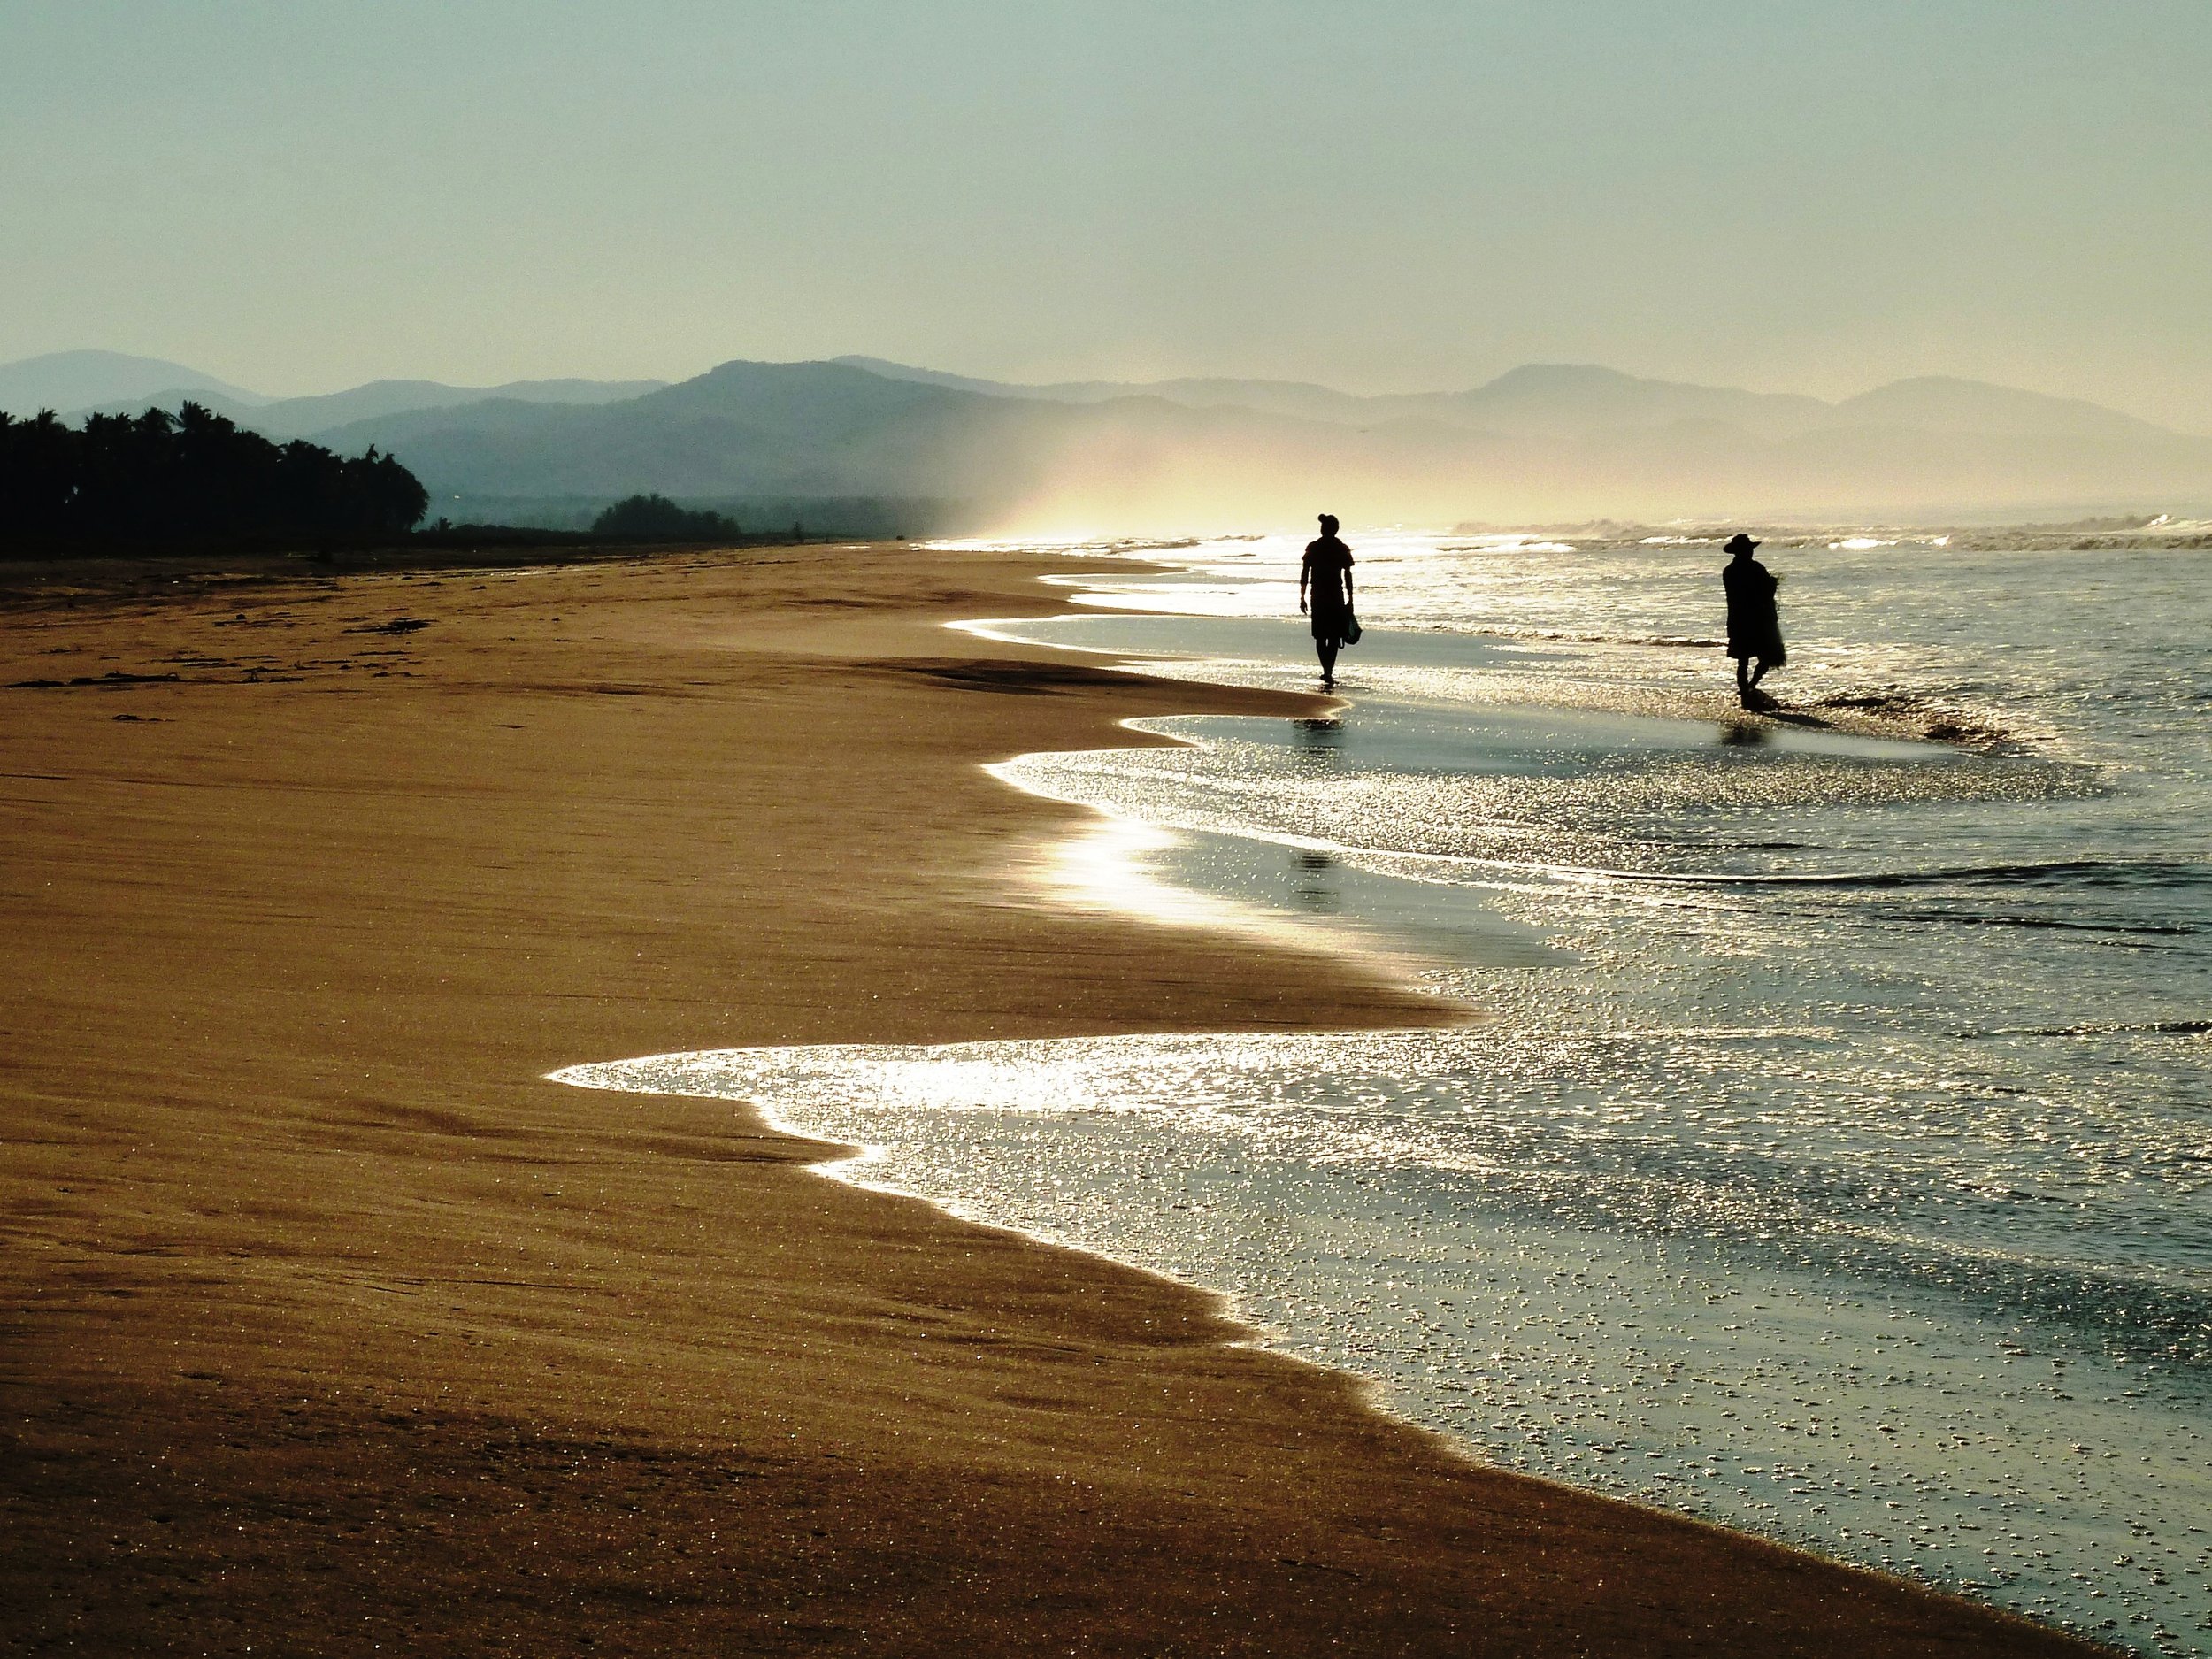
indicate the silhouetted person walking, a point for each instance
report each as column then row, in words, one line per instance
column 1755, row 628
column 1327, row 573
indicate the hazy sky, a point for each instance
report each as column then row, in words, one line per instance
column 1782, row 194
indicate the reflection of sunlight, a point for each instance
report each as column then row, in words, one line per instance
column 1503, row 543
column 1105, row 866
column 1111, row 865
column 1019, row 631
column 1243, row 599
column 1511, row 1230
column 1095, row 544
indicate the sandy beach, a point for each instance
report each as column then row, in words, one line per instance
column 333, row 1326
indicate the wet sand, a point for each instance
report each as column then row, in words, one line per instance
column 329, row 1324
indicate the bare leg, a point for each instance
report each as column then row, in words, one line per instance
column 1743, row 680
column 1326, row 651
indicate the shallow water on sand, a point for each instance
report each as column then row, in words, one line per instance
column 1838, row 1162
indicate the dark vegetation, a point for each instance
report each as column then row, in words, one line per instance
column 194, row 484
column 190, row 479
column 761, row 517
column 658, row 518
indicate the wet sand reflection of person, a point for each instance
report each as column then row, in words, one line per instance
column 1318, row 745
column 1310, row 882
column 1755, row 626
column 1327, row 572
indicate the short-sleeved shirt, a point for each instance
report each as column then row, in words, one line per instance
column 1328, row 559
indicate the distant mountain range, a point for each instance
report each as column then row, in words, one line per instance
column 1564, row 400
column 304, row 416
column 80, row 383
column 69, row 380
column 1543, row 442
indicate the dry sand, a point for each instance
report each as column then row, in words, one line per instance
column 330, row 1328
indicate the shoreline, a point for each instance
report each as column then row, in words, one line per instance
column 1895, row 718
column 1932, row 1538
column 313, row 1290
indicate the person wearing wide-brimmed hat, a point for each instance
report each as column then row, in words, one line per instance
column 1755, row 628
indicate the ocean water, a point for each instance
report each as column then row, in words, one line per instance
column 1833, row 1158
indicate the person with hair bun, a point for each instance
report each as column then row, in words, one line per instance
column 1327, row 575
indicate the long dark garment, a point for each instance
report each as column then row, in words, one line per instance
column 1754, row 627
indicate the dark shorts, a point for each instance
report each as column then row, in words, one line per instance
column 1328, row 622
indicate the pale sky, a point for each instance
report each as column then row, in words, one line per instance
column 1778, row 194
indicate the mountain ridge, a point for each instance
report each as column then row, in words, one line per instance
column 1141, row 459
column 1542, row 441
column 1559, row 398
column 1963, row 404
column 304, row 417
column 75, row 380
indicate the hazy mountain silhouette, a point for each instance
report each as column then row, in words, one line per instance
column 67, row 381
column 744, row 428
column 304, row 415
column 1575, row 400
column 1547, row 440
column 1296, row 398
column 1579, row 399
column 1553, row 442
column 301, row 417
column 1548, row 398
column 1941, row 404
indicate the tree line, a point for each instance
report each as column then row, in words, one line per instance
column 655, row 516
column 189, row 477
